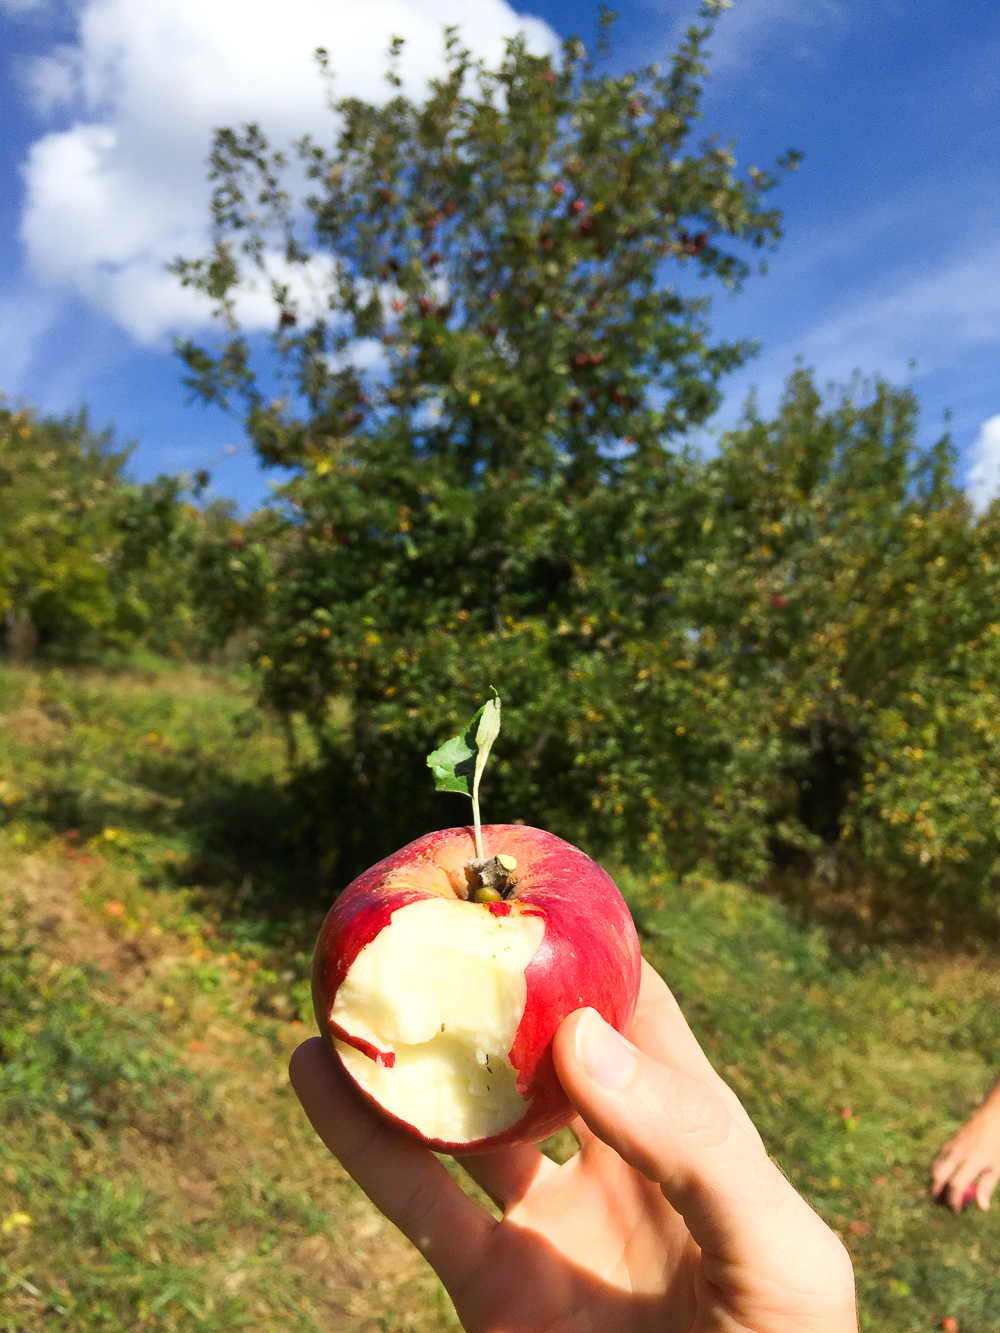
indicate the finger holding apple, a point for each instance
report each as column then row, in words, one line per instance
column 442, row 973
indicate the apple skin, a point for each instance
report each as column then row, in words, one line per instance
column 589, row 955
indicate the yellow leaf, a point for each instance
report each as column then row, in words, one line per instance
column 15, row 1220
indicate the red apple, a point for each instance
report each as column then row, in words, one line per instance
column 442, row 1008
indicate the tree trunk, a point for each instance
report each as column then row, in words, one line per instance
column 19, row 637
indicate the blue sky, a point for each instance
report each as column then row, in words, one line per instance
column 890, row 262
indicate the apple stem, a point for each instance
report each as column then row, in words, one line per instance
column 476, row 825
column 486, row 734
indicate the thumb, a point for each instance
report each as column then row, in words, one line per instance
column 751, row 1225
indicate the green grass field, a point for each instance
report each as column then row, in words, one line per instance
column 155, row 1172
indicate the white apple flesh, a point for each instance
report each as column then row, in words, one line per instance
column 443, row 990
column 442, row 1009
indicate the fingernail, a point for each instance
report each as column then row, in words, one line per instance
column 604, row 1053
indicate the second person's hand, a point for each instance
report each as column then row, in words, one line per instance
column 969, row 1163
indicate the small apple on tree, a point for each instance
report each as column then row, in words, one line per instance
column 442, row 973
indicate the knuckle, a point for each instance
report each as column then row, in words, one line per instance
column 418, row 1207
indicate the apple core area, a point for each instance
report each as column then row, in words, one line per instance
column 438, row 995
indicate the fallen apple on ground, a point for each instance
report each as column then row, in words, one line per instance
column 442, row 974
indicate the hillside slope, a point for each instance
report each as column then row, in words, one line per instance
column 155, row 1172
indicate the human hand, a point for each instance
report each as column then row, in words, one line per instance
column 671, row 1217
column 968, row 1166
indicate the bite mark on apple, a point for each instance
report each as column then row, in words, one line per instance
column 442, row 989
column 387, row 1058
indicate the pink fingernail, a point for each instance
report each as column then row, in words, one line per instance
column 606, row 1056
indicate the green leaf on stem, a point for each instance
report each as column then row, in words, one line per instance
column 458, row 764
column 454, row 762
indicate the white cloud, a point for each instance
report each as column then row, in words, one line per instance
column 26, row 319
column 983, row 480
column 922, row 325
column 53, row 79
column 755, row 27
column 907, row 320
column 939, row 318
column 120, row 193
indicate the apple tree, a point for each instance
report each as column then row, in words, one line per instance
column 486, row 353
column 844, row 651
column 57, row 532
column 91, row 559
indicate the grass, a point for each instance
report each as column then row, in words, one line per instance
column 154, row 1172
column 157, row 915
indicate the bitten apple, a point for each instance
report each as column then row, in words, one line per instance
column 440, row 979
